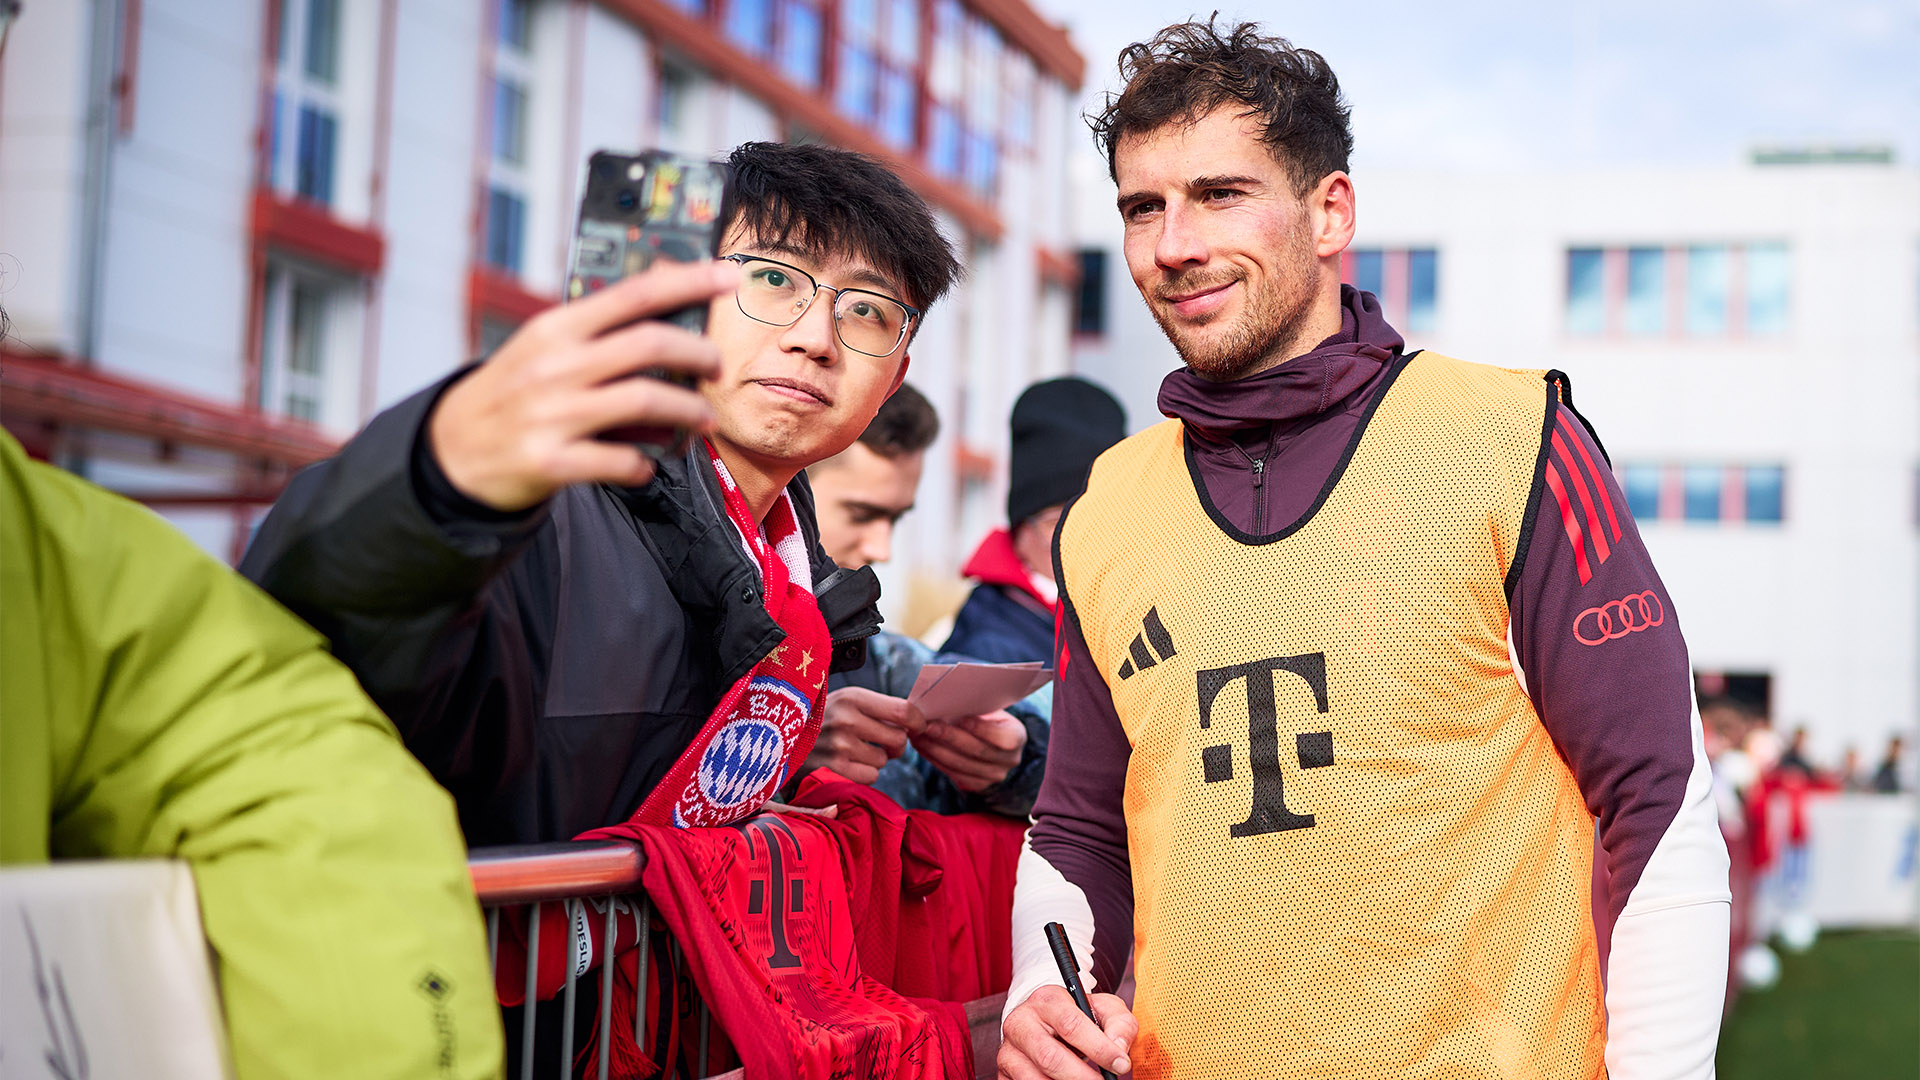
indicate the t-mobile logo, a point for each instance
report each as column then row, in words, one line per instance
column 1313, row 749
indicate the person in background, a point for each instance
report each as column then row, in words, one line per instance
column 991, row 762
column 1059, row 427
column 1795, row 756
column 158, row 706
column 569, row 634
column 1886, row 778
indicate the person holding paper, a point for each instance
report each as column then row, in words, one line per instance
column 989, row 761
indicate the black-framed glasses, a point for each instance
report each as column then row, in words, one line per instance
column 868, row 322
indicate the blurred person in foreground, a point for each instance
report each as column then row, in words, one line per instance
column 1059, row 427
column 870, row 735
column 155, row 705
column 1355, row 654
column 569, row 634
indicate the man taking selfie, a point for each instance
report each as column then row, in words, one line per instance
column 567, row 632
column 1357, row 654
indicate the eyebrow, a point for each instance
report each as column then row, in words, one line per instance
column 877, row 510
column 859, row 275
column 1198, row 183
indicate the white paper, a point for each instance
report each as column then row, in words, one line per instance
column 947, row 691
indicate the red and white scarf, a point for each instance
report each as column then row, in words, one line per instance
column 765, row 725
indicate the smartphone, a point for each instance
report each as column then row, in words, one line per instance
column 638, row 209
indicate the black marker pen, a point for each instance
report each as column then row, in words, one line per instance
column 1070, row 974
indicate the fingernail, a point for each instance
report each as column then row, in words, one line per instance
column 1121, row 1064
column 726, row 273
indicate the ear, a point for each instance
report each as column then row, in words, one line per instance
column 906, row 361
column 1331, row 204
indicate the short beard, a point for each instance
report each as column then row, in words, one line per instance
column 1266, row 332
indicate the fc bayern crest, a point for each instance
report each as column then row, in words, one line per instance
column 746, row 760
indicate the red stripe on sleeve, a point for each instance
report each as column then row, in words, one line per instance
column 1586, row 498
column 1571, row 524
column 1599, row 481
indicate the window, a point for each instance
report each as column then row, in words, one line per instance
column 313, row 165
column 802, row 31
column 903, row 30
column 750, row 25
column 858, row 83
column 506, row 222
column 1724, row 494
column 1423, row 271
column 509, row 121
column 516, row 24
column 1715, row 290
column 299, row 339
column 676, row 83
column 1406, row 282
column 304, row 141
column 1708, row 280
column 943, row 141
column 1369, row 273
column 1019, row 105
column 1767, row 289
column 1646, row 291
column 1765, row 489
column 982, row 163
column 1090, row 299
column 1643, row 491
column 898, row 106
column 505, row 210
column 1586, row 291
column 1701, row 492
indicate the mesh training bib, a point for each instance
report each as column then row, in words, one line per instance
column 1355, row 850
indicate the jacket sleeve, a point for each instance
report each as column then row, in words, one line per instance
column 1597, row 645
column 192, row 718
column 1075, row 869
column 406, row 579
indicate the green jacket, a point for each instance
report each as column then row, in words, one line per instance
column 155, row 704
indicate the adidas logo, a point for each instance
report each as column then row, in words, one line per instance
column 1140, row 657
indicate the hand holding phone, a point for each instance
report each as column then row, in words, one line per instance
column 639, row 210
column 528, row 422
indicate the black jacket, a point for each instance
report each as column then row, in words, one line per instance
column 547, row 667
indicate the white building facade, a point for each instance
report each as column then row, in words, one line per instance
column 232, row 230
column 1745, row 341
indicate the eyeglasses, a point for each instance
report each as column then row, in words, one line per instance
column 867, row 322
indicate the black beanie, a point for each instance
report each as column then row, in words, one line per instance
column 1059, row 427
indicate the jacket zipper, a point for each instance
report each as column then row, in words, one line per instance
column 1259, row 496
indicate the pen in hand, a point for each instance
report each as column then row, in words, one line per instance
column 1070, row 974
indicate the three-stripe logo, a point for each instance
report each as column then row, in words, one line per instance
column 1564, row 466
column 1139, row 656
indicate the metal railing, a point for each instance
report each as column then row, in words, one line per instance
column 573, row 874
column 570, row 874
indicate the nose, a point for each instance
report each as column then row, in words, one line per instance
column 813, row 332
column 876, row 544
column 1179, row 244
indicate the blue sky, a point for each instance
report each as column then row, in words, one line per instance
column 1501, row 85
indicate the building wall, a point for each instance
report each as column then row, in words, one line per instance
column 1826, row 601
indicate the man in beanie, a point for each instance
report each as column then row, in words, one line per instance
column 1059, row 427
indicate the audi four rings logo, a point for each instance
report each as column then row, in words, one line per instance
column 1618, row 618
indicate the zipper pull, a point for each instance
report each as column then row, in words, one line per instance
column 1259, row 471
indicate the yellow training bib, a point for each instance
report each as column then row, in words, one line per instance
column 1355, row 850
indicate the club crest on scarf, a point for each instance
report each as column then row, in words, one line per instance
column 767, row 721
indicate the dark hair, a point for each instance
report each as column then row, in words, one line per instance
column 906, row 424
column 824, row 200
column 1188, row 70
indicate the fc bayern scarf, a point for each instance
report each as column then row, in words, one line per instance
column 765, row 725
